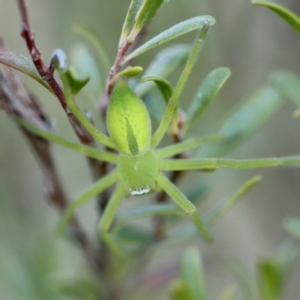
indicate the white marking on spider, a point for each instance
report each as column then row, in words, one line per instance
column 140, row 192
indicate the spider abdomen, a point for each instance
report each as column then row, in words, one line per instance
column 138, row 172
column 128, row 121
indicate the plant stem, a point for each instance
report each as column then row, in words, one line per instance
column 116, row 66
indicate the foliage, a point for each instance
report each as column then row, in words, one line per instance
column 126, row 154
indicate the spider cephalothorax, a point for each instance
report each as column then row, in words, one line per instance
column 139, row 172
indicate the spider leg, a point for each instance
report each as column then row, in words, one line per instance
column 98, row 187
column 86, row 150
column 108, row 217
column 179, row 198
column 185, row 145
column 214, row 163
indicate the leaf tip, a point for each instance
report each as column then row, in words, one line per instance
column 59, row 60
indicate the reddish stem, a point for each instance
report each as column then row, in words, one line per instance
column 116, row 66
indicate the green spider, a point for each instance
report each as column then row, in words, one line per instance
column 139, row 164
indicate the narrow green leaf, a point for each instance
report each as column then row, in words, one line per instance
column 59, row 60
column 285, row 259
column 197, row 193
column 172, row 33
column 163, row 85
column 143, row 16
column 192, row 273
column 179, row 290
column 130, row 19
column 226, row 204
column 268, row 280
column 23, row 64
column 183, row 233
column 273, row 272
column 186, row 145
column 244, row 121
column 288, row 84
column 129, row 72
column 168, row 60
column 81, row 287
column 76, row 83
column 164, row 63
column 207, row 91
column 252, row 114
column 155, row 104
column 292, row 226
column 24, row 271
column 292, row 19
column 97, row 43
column 134, row 234
column 86, row 67
column 244, row 278
column 150, row 210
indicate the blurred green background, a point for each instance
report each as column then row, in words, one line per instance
column 252, row 42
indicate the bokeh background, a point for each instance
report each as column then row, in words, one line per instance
column 251, row 41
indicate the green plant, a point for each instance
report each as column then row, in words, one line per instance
column 288, row 84
column 139, row 163
column 133, row 142
column 269, row 282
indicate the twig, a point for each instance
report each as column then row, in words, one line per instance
column 45, row 72
column 116, row 66
column 123, row 49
